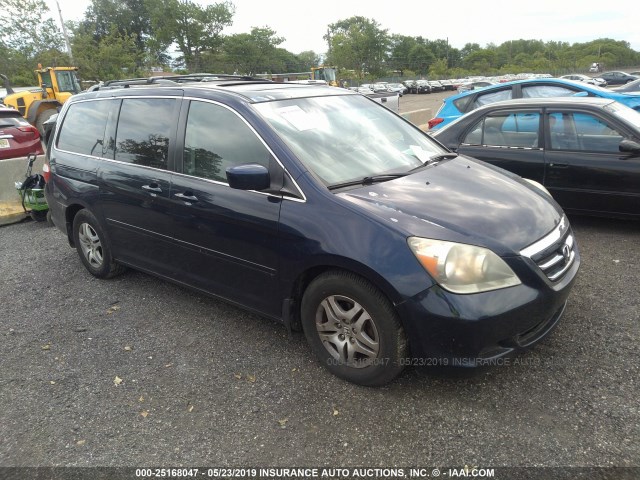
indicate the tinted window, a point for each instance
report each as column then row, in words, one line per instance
column 144, row 129
column 521, row 129
column 582, row 132
column 83, row 127
column 507, row 130
column 216, row 139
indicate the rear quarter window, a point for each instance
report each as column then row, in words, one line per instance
column 462, row 103
column 83, row 127
column 491, row 97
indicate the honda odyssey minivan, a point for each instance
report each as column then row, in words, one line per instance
column 317, row 207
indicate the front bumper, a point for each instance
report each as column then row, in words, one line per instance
column 473, row 330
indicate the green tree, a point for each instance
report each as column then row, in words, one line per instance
column 130, row 17
column 358, row 44
column 420, row 59
column 307, row 59
column 112, row 57
column 439, row 68
column 468, row 49
column 441, row 49
column 400, row 52
column 25, row 29
column 255, row 52
column 193, row 28
column 481, row 61
column 27, row 38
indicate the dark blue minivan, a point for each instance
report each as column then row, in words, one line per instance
column 317, row 207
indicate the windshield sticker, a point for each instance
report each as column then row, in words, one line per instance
column 420, row 153
column 298, row 118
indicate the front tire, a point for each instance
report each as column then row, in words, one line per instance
column 93, row 247
column 353, row 329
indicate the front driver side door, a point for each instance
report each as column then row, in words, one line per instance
column 585, row 169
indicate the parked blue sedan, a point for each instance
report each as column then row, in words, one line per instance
column 457, row 105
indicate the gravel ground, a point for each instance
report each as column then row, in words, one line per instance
column 203, row 383
column 136, row 371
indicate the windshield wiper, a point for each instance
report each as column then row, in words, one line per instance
column 442, row 156
column 368, row 180
column 436, row 159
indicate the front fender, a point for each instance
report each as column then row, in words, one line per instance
column 36, row 106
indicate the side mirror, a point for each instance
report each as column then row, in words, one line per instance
column 251, row 176
column 629, row 146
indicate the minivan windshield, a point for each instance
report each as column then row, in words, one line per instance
column 344, row 138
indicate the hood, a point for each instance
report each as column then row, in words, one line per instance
column 463, row 200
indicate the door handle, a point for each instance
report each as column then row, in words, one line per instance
column 559, row 165
column 152, row 188
column 186, row 197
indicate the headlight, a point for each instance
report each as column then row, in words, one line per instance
column 462, row 268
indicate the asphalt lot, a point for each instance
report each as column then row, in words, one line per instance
column 136, row 371
column 414, row 101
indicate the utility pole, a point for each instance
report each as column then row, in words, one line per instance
column 64, row 32
column 447, row 53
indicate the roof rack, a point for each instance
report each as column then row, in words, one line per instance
column 174, row 80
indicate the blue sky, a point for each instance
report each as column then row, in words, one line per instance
column 303, row 23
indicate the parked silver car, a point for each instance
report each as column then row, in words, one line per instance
column 578, row 77
column 397, row 88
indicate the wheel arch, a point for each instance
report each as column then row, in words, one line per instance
column 70, row 213
column 304, row 279
column 39, row 106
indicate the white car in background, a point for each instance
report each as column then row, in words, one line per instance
column 397, row 88
column 578, row 77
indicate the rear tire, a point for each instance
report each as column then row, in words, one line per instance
column 93, row 246
column 353, row 329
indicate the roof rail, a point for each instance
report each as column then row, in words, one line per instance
column 174, row 80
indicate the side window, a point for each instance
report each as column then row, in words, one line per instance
column 474, row 137
column 216, row 139
column 546, row 91
column 46, row 79
column 521, row 129
column 144, row 129
column 492, row 132
column 507, row 130
column 82, row 130
column 66, row 82
column 492, row 97
column 579, row 131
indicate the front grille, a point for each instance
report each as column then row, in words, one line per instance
column 555, row 253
